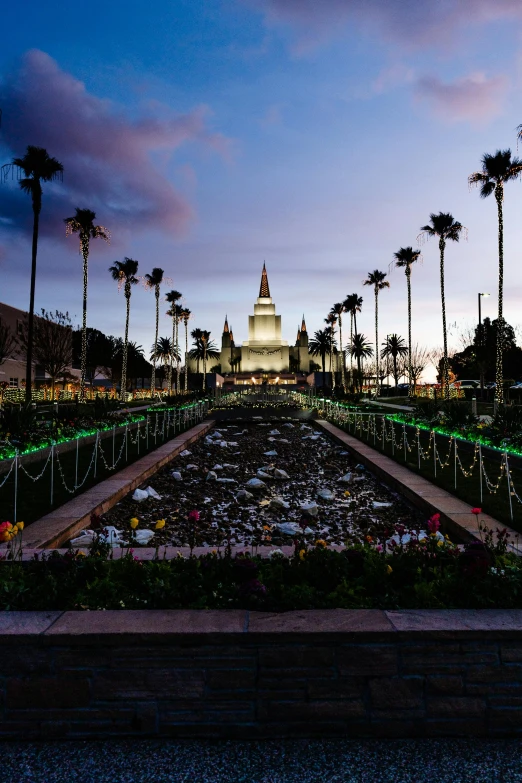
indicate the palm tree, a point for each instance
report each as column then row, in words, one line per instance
column 205, row 339
column 35, row 167
column 172, row 297
column 395, row 346
column 445, row 227
column 178, row 315
column 353, row 305
column 82, row 223
column 337, row 310
column 331, row 321
column 197, row 351
column 362, row 349
column 153, row 282
column 163, row 351
column 204, row 348
column 405, row 257
column 496, row 171
column 376, row 279
column 320, row 345
column 185, row 315
column 124, row 272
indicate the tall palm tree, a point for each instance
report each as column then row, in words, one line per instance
column 153, row 282
column 196, row 335
column 353, row 305
column 331, row 321
column 163, row 352
column 498, row 169
column 405, row 257
column 178, row 315
column 445, row 227
column 362, row 349
column 205, row 339
column 337, row 312
column 35, row 167
column 320, row 345
column 172, row 297
column 376, row 279
column 185, row 315
column 125, row 273
column 82, row 223
column 395, row 346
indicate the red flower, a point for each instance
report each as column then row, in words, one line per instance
column 476, row 511
column 194, row 516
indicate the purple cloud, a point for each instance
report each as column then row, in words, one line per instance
column 107, row 157
column 474, row 97
column 412, row 22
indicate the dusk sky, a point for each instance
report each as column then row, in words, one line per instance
column 212, row 135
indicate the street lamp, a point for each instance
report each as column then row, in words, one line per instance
column 481, row 341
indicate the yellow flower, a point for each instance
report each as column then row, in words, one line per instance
column 134, row 523
column 82, row 554
column 321, row 543
column 160, row 524
column 440, row 543
column 369, row 539
column 302, row 554
column 346, row 494
column 389, row 569
column 20, row 525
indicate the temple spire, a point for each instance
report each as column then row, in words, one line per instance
column 264, row 290
column 303, row 324
column 225, row 328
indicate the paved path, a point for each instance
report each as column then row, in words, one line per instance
column 283, row 761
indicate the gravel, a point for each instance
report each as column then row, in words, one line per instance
column 278, row 761
column 308, row 467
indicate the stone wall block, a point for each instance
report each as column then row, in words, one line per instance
column 388, row 693
column 367, row 659
column 437, row 684
column 47, row 692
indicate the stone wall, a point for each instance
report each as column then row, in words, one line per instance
column 252, row 674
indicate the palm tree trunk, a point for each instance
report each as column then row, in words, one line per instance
column 395, row 371
column 408, row 283
column 153, row 379
column 359, row 366
column 30, row 324
column 376, row 341
column 351, row 345
column 177, row 355
column 83, row 363
column 204, row 366
column 123, row 390
column 341, row 350
column 499, row 373
column 445, row 369
column 186, row 356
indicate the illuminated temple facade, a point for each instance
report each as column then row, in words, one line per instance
column 264, row 351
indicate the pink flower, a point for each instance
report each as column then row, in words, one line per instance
column 433, row 523
column 476, row 511
column 194, row 516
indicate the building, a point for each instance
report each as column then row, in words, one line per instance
column 265, row 355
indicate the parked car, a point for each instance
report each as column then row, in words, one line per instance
column 465, row 385
column 516, row 386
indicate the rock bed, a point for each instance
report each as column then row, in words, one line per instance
column 302, row 481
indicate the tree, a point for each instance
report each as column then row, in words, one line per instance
column 376, row 279
column 35, row 167
column 185, row 315
column 361, row 348
column 153, row 282
column 405, row 257
column 125, row 273
column 205, row 339
column 353, row 305
column 420, row 358
column 395, row 347
column 331, row 321
column 337, row 313
column 82, row 223
column 197, row 352
column 172, row 297
column 163, row 352
column 320, row 345
column 444, row 226
column 496, row 170
column 204, row 348
column 8, row 342
column 100, row 349
column 52, row 343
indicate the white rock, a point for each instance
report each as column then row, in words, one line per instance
column 140, row 494
column 309, row 509
column 143, row 536
column 110, row 535
column 289, row 425
column 191, row 467
column 185, row 453
column 346, row 479
column 226, row 481
column 233, row 443
column 308, row 530
column 256, row 484
column 271, row 453
column 243, row 496
column 217, row 467
column 176, row 475
column 211, row 476
column 376, row 504
column 280, row 474
column 152, row 493
column 276, row 553
column 261, row 474
column 274, row 432
column 288, row 528
column 85, row 538
column 278, row 502
column 325, row 494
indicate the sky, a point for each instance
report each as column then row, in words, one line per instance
column 210, row 136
